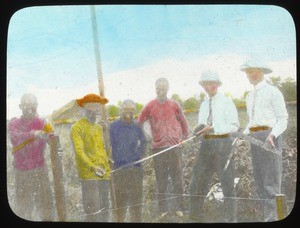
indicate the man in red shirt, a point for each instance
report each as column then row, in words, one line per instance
column 169, row 127
column 29, row 135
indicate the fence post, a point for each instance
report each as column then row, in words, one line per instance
column 281, row 206
column 57, row 172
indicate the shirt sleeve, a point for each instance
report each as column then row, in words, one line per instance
column 246, row 130
column 16, row 135
column 144, row 115
column 183, row 122
column 79, row 146
column 202, row 113
column 103, row 151
column 280, row 112
column 111, row 135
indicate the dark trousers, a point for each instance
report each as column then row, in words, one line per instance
column 128, row 183
column 169, row 164
column 33, row 189
column 95, row 200
column 267, row 169
column 212, row 158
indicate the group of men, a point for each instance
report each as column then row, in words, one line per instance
column 121, row 164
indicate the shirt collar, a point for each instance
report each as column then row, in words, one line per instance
column 260, row 85
column 215, row 96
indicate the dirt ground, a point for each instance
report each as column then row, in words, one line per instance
column 248, row 210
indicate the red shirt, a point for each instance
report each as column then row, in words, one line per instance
column 30, row 156
column 167, row 122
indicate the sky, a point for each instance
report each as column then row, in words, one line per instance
column 50, row 50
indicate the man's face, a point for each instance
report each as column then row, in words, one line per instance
column 93, row 110
column 29, row 110
column 211, row 87
column 254, row 75
column 162, row 90
column 128, row 113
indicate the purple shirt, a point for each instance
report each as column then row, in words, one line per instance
column 31, row 155
column 127, row 143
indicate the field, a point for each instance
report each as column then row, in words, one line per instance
column 248, row 209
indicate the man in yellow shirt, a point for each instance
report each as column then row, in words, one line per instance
column 91, row 159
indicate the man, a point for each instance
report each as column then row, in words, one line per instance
column 169, row 127
column 219, row 116
column 268, row 117
column 29, row 135
column 91, row 159
column 127, row 144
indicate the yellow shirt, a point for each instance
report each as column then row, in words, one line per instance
column 89, row 148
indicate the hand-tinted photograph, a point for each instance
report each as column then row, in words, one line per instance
column 151, row 113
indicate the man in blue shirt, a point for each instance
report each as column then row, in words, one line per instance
column 219, row 116
column 127, row 144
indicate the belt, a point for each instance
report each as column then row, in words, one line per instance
column 259, row 128
column 211, row 136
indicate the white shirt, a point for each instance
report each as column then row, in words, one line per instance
column 270, row 109
column 224, row 114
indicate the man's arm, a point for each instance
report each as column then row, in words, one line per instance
column 16, row 134
column 183, row 122
column 79, row 146
column 280, row 111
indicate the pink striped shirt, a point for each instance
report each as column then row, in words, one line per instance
column 30, row 156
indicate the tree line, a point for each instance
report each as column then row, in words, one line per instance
column 192, row 104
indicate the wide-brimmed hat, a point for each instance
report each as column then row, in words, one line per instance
column 210, row 76
column 256, row 64
column 91, row 98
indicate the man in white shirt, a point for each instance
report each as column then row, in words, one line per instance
column 268, row 118
column 215, row 149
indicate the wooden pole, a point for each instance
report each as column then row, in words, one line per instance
column 281, row 206
column 57, row 172
column 102, row 94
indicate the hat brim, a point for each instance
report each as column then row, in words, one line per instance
column 201, row 82
column 83, row 101
column 263, row 69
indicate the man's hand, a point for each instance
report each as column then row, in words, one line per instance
column 39, row 134
column 241, row 143
column 207, row 128
column 270, row 140
column 100, row 172
column 199, row 130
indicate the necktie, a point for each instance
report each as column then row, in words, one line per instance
column 209, row 118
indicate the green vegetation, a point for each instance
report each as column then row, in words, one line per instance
column 287, row 86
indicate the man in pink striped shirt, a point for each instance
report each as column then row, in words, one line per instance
column 169, row 127
column 29, row 135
